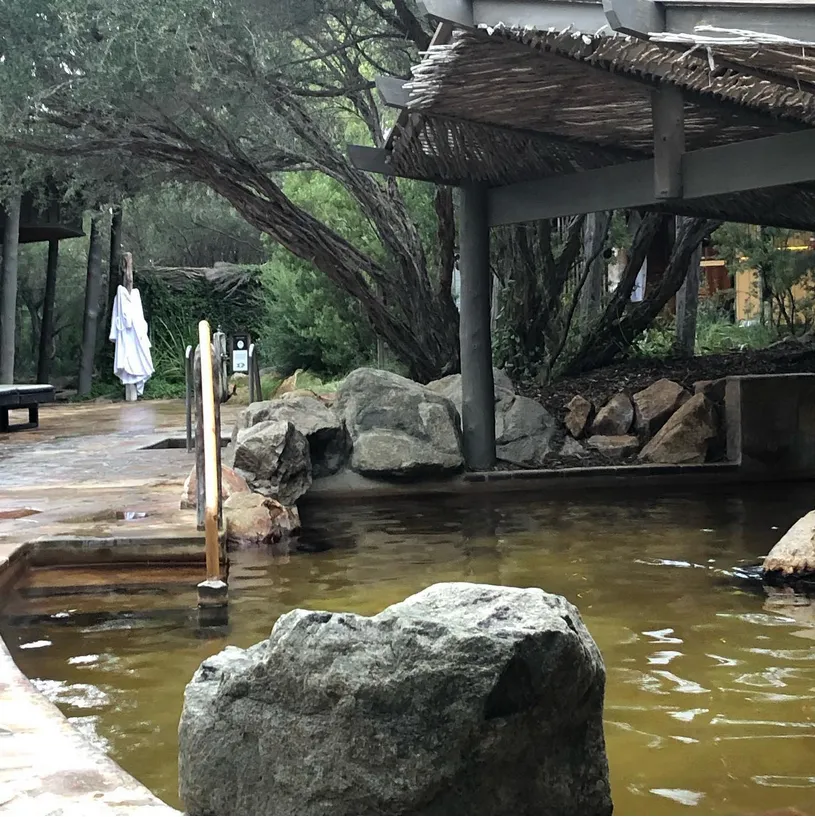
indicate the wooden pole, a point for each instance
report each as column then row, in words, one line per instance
column 93, row 283
column 477, row 387
column 114, row 260
column 8, row 290
column 687, row 307
column 131, row 392
column 212, row 500
column 47, row 328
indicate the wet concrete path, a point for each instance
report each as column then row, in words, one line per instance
column 89, row 464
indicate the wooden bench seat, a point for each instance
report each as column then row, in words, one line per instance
column 23, row 396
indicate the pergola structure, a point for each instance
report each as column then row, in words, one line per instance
column 539, row 109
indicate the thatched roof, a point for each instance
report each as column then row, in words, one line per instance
column 507, row 105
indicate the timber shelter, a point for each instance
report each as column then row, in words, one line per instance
column 540, row 109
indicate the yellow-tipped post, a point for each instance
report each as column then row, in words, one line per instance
column 213, row 591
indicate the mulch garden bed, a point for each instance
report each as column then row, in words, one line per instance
column 631, row 376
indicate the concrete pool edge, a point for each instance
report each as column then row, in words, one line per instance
column 50, row 767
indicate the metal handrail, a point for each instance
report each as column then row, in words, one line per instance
column 188, row 376
column 255, row 388
column 212, row 498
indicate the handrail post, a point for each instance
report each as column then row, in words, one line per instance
column 213, row 591
column 251, row 373
column 188, row 375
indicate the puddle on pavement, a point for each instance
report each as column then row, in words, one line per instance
column 18, row 513
column 710, row 689
column 107, row 516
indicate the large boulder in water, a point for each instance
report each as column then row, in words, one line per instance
column 462, row 699
column 273, row 456
column 327, row 439
column 793, row 556
column 398, row 428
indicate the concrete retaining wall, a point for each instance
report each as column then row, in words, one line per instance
column 771, row 425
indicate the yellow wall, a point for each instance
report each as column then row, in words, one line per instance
column 748, row 304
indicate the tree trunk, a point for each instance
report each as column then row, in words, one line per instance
column 595, row 231
column 114, row 262
column 47, row 329
column 93, row 285
column 621, row 323
column 687, row 305
column 8, row 294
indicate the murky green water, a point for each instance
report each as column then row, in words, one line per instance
column 709, row 700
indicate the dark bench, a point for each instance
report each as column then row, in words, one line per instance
column 23, row 397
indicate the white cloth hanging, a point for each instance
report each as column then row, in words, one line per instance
column 132, row 362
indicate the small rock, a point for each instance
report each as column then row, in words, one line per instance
column 329, row 446
column 289, row 384
column 614, row 445
column 462, row 699
column 253, row 519
column 615, row 418
column 579, row 416
column 274, row 458
column 572, row 448
column 654, row 405
column 794, row 553
column 686, row 436
column 231, row 483
column 712, row 389
column 523, row 431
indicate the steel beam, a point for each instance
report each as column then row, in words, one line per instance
column 556, row 14
column 751, row 165
column 477, row 386
column 668, row 114
column 392, row 91
column 641, row 18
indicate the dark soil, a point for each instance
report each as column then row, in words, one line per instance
column 631, row 376
column 636, row 374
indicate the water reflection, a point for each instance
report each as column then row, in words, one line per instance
column 710, row 685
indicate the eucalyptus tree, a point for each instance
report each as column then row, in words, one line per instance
column 236, row 94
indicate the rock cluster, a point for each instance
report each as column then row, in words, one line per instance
column 663, row 423
column 462, row 699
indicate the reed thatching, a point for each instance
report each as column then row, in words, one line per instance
column 225, row 279
column 505, row 105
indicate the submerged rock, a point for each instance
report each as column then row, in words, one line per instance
column 462, row 699
column 793, row 556
column 328, row 442
column 231, row 483
column 253, row 520
column 615, row 418
column 579, row 415
column 274, row 458
column 398, row 428
column 686, row 436
column 654, row 405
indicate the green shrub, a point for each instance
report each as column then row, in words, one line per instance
column 309, row 323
